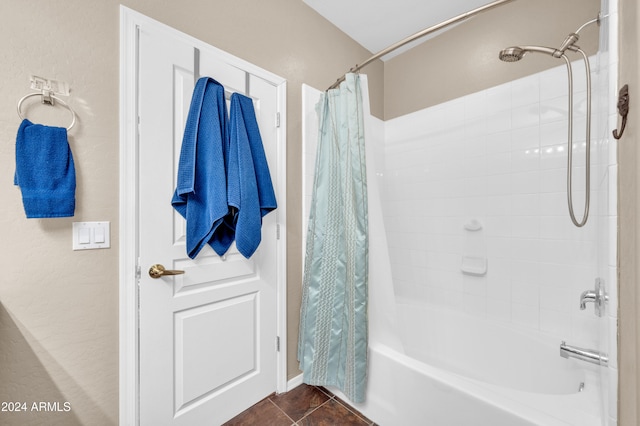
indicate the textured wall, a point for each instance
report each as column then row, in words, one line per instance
column 629, row 234
column 59, row 313
column 465, row 60
column 59, row 308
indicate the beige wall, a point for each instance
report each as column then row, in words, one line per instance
column 464, row 59
column 59, row 308
column 629, row 234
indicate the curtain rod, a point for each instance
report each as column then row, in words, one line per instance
column 420, row 34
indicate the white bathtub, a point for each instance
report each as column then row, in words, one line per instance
column 460, row 371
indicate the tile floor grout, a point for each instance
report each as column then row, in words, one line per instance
column 283, row 412
column 305, row 401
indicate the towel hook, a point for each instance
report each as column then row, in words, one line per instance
column 48, row 98
column 623, row 109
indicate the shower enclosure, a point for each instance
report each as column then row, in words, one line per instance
column 479, row 270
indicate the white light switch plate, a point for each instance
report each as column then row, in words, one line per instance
column 91, row 235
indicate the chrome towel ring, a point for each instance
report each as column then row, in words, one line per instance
column 48, row 98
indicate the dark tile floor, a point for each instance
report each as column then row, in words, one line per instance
column 302, row 406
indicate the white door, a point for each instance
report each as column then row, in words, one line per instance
column 207, row 338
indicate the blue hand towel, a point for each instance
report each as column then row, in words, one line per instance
column 45, row 171
column 249, row 188
column 201, row 189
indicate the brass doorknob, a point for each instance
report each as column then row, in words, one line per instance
column 157, row 271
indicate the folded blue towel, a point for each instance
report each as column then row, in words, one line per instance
column 249, row 188
column 201, row 189
column 45, row 171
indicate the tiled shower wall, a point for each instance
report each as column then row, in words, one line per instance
column 499, row 158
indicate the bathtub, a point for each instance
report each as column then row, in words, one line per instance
column 475, row 372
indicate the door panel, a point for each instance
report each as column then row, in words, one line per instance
column 207, row 337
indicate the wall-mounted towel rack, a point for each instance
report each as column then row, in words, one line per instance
column 48, row 99
column 48, row 90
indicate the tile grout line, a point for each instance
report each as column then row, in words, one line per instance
column 358, row 414
column 310, row 412
column 283, row 412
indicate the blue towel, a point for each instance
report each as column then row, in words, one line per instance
column 45, row 171
column 249, row 188
column 201, row 189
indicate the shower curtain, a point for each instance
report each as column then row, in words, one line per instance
column 332, row 345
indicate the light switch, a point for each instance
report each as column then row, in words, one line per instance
column 91, row 235
column 84, row 236
column 98, row 233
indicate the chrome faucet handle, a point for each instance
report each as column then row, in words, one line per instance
column 597, row 296
column 587, row 296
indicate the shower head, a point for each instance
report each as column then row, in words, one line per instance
column 515, row 53
column 511, row 54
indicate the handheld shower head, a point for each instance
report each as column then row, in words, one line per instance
column 511, row 54
column 515, row 53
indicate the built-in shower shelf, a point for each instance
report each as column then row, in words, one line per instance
column 476, row 266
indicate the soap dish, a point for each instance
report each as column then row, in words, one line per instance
column 476, row 266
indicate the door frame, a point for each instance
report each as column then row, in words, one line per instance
column 129, row 271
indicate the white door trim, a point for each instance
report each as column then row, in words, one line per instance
column 130, row 22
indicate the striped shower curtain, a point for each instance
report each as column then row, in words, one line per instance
column 332, row 345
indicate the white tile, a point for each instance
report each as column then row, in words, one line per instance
column 498, row 226
column 554, row 227
column 555, row 322
column 498, row 142
column 499, row 310
column 524, row 293
column 553, row 83
column 498, row 185
column 553, row 180
column 553, row 157
column 476, row 286
column 498, row 98
column 498, row 122
column 554, row 110
column 525, row 227
column 557, row 275
column 498, row 163
column 475, row 106
column 498, row 205
column 499, row 247
column 525, row 182
column 525, row 204
column 498, row 287
column 525, row 91
column 553, row 204
column 525, row 138
column 555, row 133
column 525, row 160
column 525, row 116
column 559, row 299
column 474, row 305
column 525, row 316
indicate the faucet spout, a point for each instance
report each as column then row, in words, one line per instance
column 597, row 296
column 589, row 355
column 587, row 296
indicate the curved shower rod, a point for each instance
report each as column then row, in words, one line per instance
column 421, row 34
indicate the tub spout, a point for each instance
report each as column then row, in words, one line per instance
column 588, row 355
